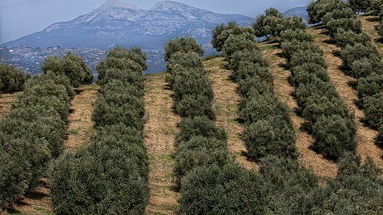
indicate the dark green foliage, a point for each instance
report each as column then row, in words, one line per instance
column 195, row 105
column 199, row 151
column 307, row 72
column 318, row 9
column 247, row 56
column 347, row 24
column 199, row 126
column 290, row 48
column 185, row 60
column 373, row 108
column 249, row 70
column 11, row 79
column 237, row 43
column 220, row 190
column 222, row 32
column 335, row 135
column 341, row 13
column 288, row 188
column 295, row 35
column 32, row 133
column 344, row 38
column 270, row 136
column 359, row 51
column 110, row 175
column 71, row 66
column 265, row 24
column 370, row 85
column 359, row 5
column 356, row 190
column 304, row 57
column 184, row 45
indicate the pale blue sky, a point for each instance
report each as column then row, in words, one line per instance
column 22, row 17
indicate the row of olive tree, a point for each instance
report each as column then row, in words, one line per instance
column 268, row 128
column 282, row 185
column 110, row 176
column 11, row 79
column 210, row 182
column 361, row 60
column 32, row 133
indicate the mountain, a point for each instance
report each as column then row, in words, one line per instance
column 118, row 23
column 298, row 11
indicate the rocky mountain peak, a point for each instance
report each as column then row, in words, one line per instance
column 172, row 6
column 116, row 4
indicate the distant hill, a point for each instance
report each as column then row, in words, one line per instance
column 117, row 23
column 298, row 11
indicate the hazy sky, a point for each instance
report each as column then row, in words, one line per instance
column 22, row 17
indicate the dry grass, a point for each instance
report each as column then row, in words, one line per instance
column 160, row 130
column 6, row 101
column 368, row 26
column 225, row 106
column 308, row 158
column 365, row 135
column 80, row 129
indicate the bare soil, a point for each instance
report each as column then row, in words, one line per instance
column 160, row 130
column 321, row 166
column 80, row 129
column 365, row 135
column 6, row 101
column 225, row 105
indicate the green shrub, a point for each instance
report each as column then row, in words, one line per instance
column 335, row 135
column 315, row 87
column 288, row 188
column 123, row 76
column 370, row 85
column 134, row 54
column 222, row 32
column 248, row 70
column 359, row 51
column 373, row 109
column 344, row 38
column 261, row 106
column 357, row 189
column 195, row 105
column 199, row 126
column 192, row 82
column 290, row 48
column 184, row 45
column 199, row 151
column 340, row 13
column 347, row 24
column 119, row 185
column 237, row 43
column 267, row 24
column 117, row 63
column 317, row 106
column 295, row 35
column 220, row 190
column 119, row 87
column 248, row 87
column 271, row 136
column 304, row 57
column 11, row 79
column 318, row 9
column 71, row 66
column 185, row 60
column 247, row 56
column 359, row 5
column 14, row 176
column 364, row 67
column 307, row 72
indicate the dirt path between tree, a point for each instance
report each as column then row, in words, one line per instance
column 225, row 106
column 6, row 101
column 160, row 130
column 80, row 129
column 365, row 135
column 308, row 158
column 368, row 27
